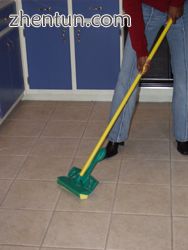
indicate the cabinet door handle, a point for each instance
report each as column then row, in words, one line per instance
column 45, row 9
column 4, row 20
column 96, row 8
column 8, row 44
column 64, row 35
column 78, row 35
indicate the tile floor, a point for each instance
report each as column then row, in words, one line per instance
column 140, row 204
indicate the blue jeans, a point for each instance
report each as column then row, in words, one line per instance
column 178, row 43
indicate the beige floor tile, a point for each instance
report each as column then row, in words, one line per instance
column 31, row 112
column 77, row 230
column 175, row 155
column 101, row 111
column 152, row 112
column 32, row 195
column 179, row 173
column 99, row 201
column 140, row 232
column 147, row 149
column 105, row 171
column 62, row 104
column 180, row 201
column 134, row 171
column 150, row 130
column 16, row 145
column 45, row 104
column 21, row 128
column 4, row 186
column 94, row 129
column 44, row 168
column 71, row 129
column 180, row 233
column 18, row 248
column 142, row 199
column 85, row 147
column 10, row 165
column 51, row 248
column 23, row 227
column 72, row 112
column 55, row 147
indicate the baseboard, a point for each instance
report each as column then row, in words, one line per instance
column 146, row 95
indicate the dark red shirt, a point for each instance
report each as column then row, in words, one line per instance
column 136, row 31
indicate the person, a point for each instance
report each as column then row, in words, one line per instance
column 147, row 18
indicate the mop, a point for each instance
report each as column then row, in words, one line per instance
column 80, row 182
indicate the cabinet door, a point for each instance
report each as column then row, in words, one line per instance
column 11, row 80
column 4, row 15
column 97, row 57
column 48, row 52
column 32, row 7
column 6, row 88
column 16, row 63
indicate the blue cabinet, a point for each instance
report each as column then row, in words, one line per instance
column 11, row 80
column 97, row 57
column 97, row 50
column 32, row 7
column 48, row 54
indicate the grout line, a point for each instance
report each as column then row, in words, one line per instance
column 171, row 192
column 20, row 136
column 180, row 185
column 22, row 158
column 55, row 247
column 13, row 181
column 64, row 137
column 82, row 136
column 143, row 214
column 47, row 120
column 52, row 180
column 144, row 184
column 149, row 139
column 33, row 180
column 50, row 220
column 54, row 209
column 20, row 246
column 113, row 204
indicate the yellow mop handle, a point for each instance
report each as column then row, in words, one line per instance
column 124, row 101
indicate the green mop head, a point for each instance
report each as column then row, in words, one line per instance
column 82, row 186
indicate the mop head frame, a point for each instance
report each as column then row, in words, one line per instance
column 82, row 186
column 76, row 184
